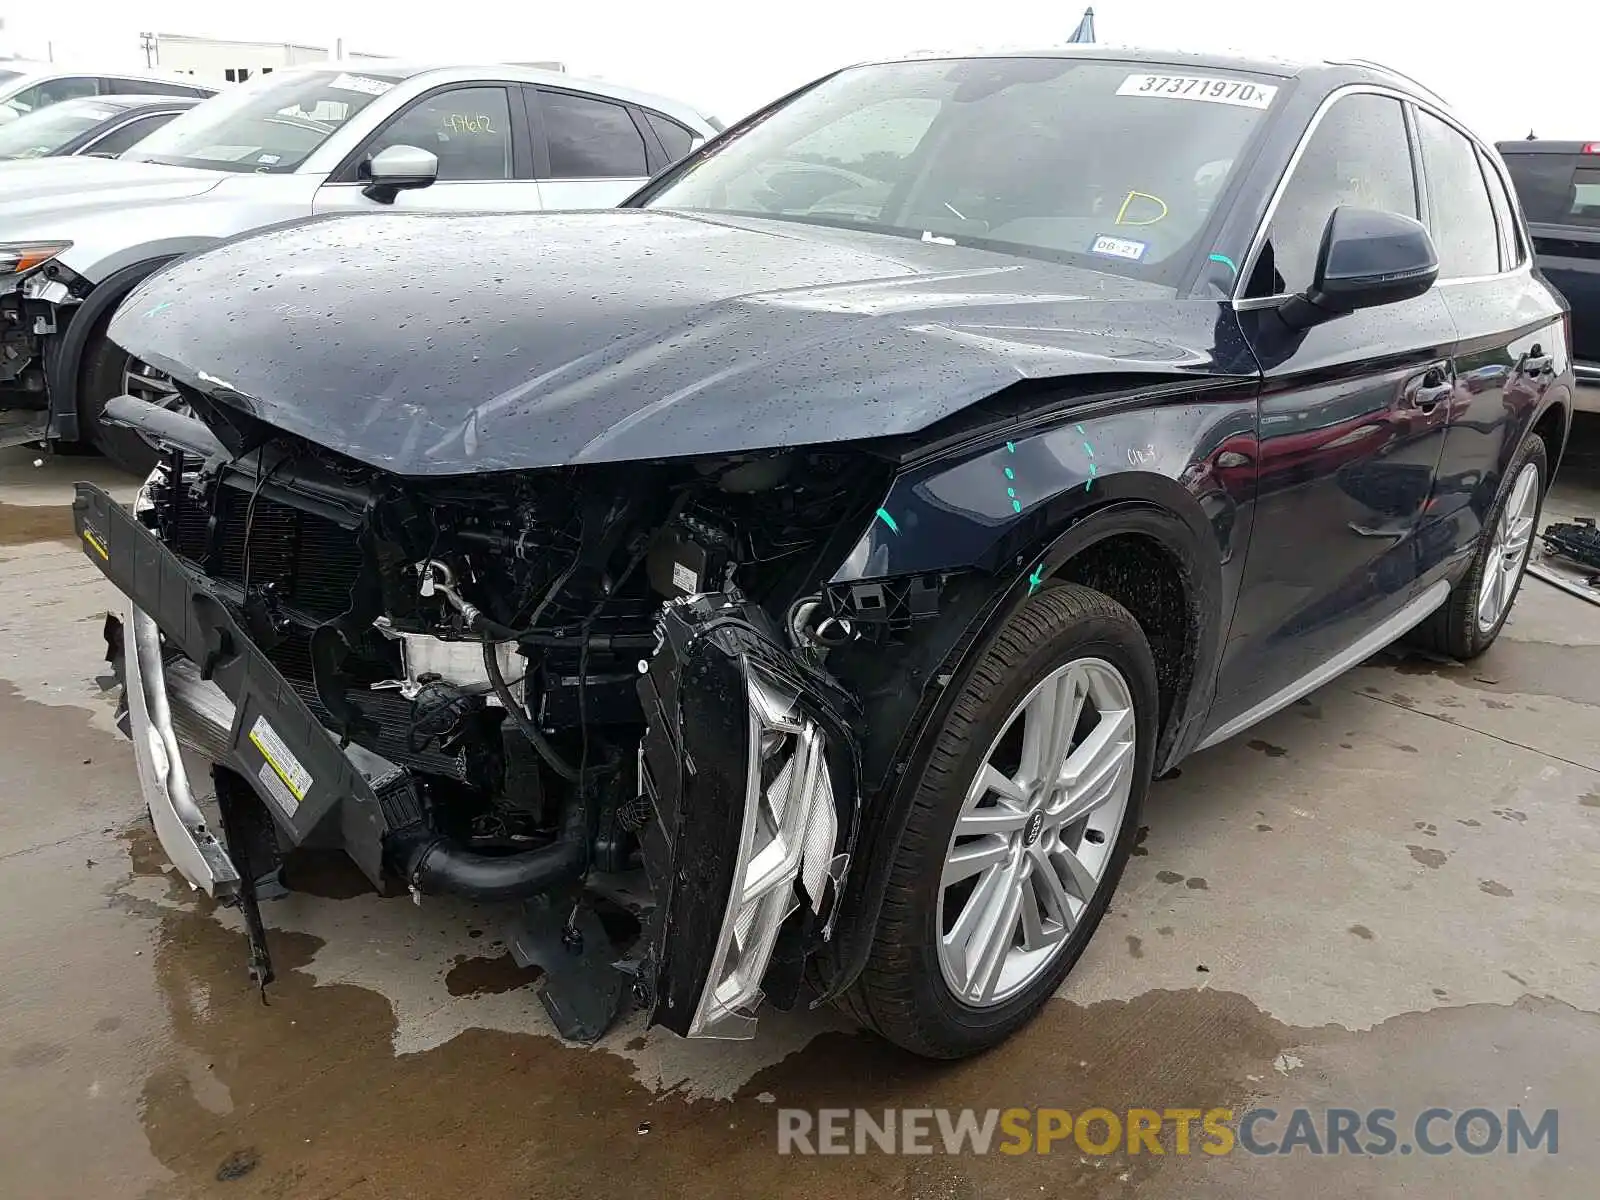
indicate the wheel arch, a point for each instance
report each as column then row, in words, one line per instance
column 1553, row 426
column 64, row 366
column 1121, row 544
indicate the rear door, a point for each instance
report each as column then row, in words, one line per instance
column 1352, row 421
column 590, row 150
column 1559, row 188
column 1509, row 329
column 479, row 134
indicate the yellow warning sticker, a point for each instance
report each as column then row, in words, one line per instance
column 281, row 759
column 96, row 543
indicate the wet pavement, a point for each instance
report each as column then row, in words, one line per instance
column 1386, row 896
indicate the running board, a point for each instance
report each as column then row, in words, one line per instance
column 1408, row 618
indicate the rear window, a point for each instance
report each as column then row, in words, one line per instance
column 1557, row 189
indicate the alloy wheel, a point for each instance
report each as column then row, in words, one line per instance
column 1508, row 552
column 1036, row 832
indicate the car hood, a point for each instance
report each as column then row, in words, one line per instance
column 432, row 345
column 51, row 187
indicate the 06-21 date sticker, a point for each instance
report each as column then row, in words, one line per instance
column 1204, row 88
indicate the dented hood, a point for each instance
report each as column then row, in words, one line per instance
column 438, row 345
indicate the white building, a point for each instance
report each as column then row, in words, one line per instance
column 215, row 60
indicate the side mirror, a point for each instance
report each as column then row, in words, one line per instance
column 396, row 169
column 1367, row 259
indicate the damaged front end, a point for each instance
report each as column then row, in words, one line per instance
column 36, row 294
column 541, row 687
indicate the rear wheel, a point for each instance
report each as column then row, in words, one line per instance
column 1019, row 829
column 1476, row 611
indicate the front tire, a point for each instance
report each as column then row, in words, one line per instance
column 105, row 374
column 1019, row 828
column 1472, row 618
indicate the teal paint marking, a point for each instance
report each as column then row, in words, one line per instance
column 1012, row 492
column 1016, row 506
column 1010, row 474
column 1011, row 446
column 888, row 520
column 162, row 307
column 1079, row 428
column 1088, row 449
column 1035, row 579
column 1225, row 261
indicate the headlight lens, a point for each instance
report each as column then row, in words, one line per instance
column 17, row 258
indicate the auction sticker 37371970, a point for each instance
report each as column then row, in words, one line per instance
column 1208, row 89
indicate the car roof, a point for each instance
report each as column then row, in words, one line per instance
column 1545, row 146
column 126, row 102
column 30, row 73
column 436, row 72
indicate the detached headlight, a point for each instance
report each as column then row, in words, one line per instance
column 787, row 837
column 18, row 258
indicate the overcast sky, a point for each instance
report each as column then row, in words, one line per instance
column 1503, row 73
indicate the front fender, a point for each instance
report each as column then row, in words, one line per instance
column 983, row 507
column 1002, row 518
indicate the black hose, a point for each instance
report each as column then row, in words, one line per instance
column 541, row 744
column 432, row 863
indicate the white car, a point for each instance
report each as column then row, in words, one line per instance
column 27, row 87
column 77, row 234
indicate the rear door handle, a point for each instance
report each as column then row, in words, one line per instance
column 1539, row 364
column 1429, row 390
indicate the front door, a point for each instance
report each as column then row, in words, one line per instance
column 480, row 142
column 1353, row 414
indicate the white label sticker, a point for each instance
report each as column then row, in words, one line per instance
column 1118, row 247
column 360, row 83
column 1208, row 89
column 270, row 160
column 275, row 789
column 685, row 579
column 295, row 778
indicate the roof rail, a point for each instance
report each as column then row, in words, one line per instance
column 1378, row 66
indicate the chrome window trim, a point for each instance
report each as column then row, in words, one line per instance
column 1248, row 266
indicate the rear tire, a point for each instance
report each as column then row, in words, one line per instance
column 1468, row 623
column 104, row 367
column 1076, row 641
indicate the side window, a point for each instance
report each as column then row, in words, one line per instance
column 54, row 91
column 1463, row 220
column 675, row 139
column 468, row 128
column 591, row 138
column 118, row 86
column 1358, row 155
column 118, row 140
column 1512, row 252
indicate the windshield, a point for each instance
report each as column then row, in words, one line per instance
column 1113, row 164
column 270, row 124
column 44, row 132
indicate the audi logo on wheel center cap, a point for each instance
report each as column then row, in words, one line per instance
column 1031, row 831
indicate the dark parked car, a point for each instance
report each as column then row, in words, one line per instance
column 103, row 126
column 843, row 532
column 1559, row 186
